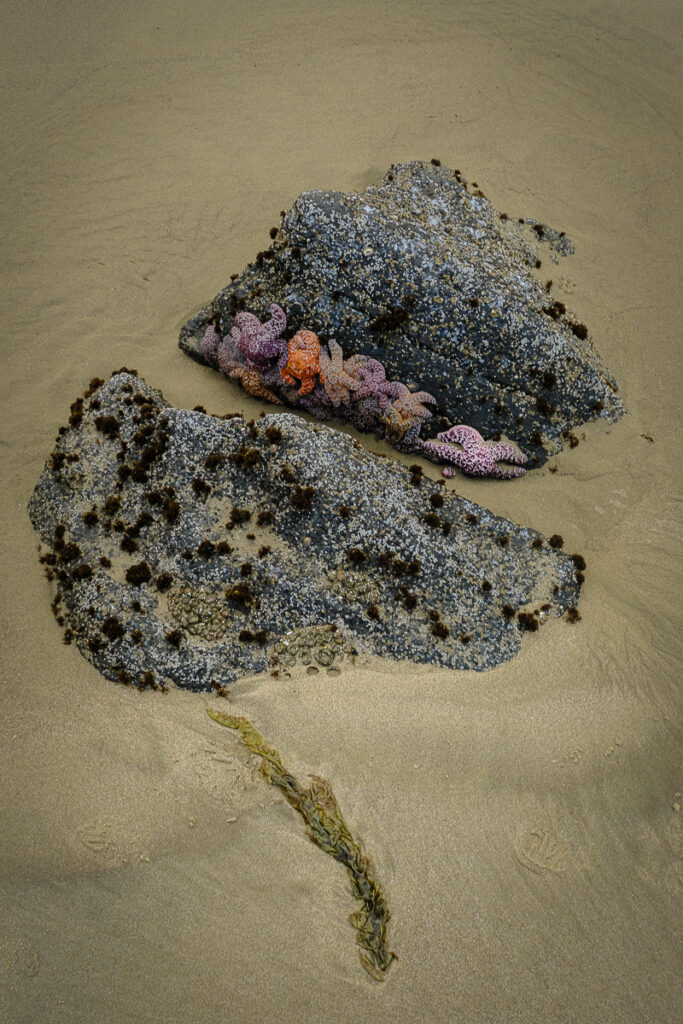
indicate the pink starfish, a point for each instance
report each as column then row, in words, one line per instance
column 465, row 448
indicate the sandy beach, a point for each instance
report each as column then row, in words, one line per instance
column 524, row 823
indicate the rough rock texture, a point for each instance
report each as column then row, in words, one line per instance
column 423, row 274
column 190, row 548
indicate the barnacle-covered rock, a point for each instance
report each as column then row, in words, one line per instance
column 194, row 549
column 421, row 273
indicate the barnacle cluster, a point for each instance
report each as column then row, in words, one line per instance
column 201, row 611
column 353, row 585
column 312, row 645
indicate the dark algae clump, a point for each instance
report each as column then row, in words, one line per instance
column 325, row 826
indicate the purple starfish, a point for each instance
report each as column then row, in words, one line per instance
column 373, row 379
column 228, row 356
column 209, row 343
column 317, row 402
column 465, row 448
column 260, row 342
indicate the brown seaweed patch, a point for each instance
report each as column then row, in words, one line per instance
column 325, row 826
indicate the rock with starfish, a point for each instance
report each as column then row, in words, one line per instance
column 353, row 390
column 423, row 274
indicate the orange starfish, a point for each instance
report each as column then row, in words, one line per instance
column 396, row 423
column 339, row 382
column 303, row 361
column 251, row 382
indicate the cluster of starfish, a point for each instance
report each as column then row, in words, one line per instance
column 304, row 372
column 315, row 376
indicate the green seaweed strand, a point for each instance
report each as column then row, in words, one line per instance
column 326, row 827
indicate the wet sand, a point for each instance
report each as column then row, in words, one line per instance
column 525, row 822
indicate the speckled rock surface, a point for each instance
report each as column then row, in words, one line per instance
column 423, row 274
column 191, row 549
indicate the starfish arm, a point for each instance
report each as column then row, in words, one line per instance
column 357, row 362
column 211, row 339
column 251, row 382
column 245, row 342
column 273, row 328
column 504, row 452
column 423, row 396
column 443, row 452
column 247, row 323
column 326, row 364
column 228, row 356
column 338, row 382
column 461, row 434
column 392, row 388
column 502, row 472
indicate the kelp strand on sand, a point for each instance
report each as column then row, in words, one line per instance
column 326, row 827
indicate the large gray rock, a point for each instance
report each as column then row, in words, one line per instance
column 423, row 274
column 190, row 548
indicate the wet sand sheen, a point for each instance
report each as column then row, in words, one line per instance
column 524, row 823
